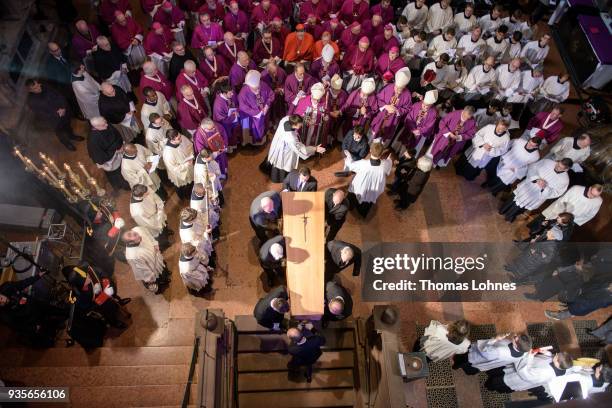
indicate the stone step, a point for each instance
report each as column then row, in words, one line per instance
column 305, row 399
column 248, row 324
column 260, row 362
column 335, row 340
column 97, row 376
column 130, row 396
column 105, row 356
column 278, row 380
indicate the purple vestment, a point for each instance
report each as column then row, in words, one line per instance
column 200, row 141
column 251, row 108
column 370, row 31
column 223, row 113
column 384, row 64
column 158, row 43
column 215, row 69
column 277, row 84
column 384, row 124
column 260, row 52
column 198, row 82
column 157, row 82
column 170, row 19
column 381, row 45
column 315, row 121
column 236, row 23
column 386, row 13
column 83, row 43
column 293, row 87
column 350, row 12
column 230, row 52
column 352, row 109
column 319, row 71
column 444, row 148
column 190, row 113
column 425, row 124
column 203, row 36
column 238, row 73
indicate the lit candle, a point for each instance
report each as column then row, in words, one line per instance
column 18, row 154
column 31, row 166
column 48, row 178
column 73, row 177
column 50, row 175
column 85, row 173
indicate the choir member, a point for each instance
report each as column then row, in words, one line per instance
column 513, row 164
column 86, row 90
column 190, row 110
column 299, row 46
column 455, row 130
column 416, row 14
column 384, row 42
column 127, row 34
column 275, row 77
column 207, row 172
column 236, row 21
column 360, row 106
column 194, row 269
column 465, row 21
column 358, row 63
column 339, row 255
column 254, row 101
column 297, row 86
column 265, row 213
column 267, row 49
column 300, row 180
column 179, row 56
column 420, row 121
column 205, row 200
column 516, row 24
column 508, row 79
column 554, row 90
column 369, row 180
column 178, row 159
column 195, row 229
column 263, row 14
column 152, row 78
column 576, row 148
column 147, row 210
column 414, row 49
column 212, row 136
column 118, row 109
column 580, row 201
column 270, row 310
column 240, row 68
column 489, row 142
column 105, row 148
column 441, row 341
column 389, row 64
column 545, row 179
column 155, row 135
column 471, row 46
column 385, row 10
column 338, row 303
column 286, row 149
column 325, row 67
column 535, row 52
column 531, row 81
column 206, row 33
column 84, row 39
column 515, row 47
column 272, row 259
column 439, row 18
column 136, row 167
column 145, row 259
column 442, row 43
column 394, row 101
column 489, row 354
column 155, row 102
column 225, row 112
column 411, row 186
column 490, row 22
column 214, row 66
column 480, row 79
column 190, row 75
column 497, row 45
column 546, row 125
column 353, row 10
column 230, row 47
column 350, row 36
column 108, row 8
column 336, row 97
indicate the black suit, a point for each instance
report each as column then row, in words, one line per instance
column 271, row 266
column 335, row 215
column 307, row 353
column 334, row 290
column 333, row 260
column 58, row 71
column 45, row 106
column 266, row 224
column 292, row 182
column 263, row 312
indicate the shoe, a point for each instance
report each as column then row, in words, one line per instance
column 552, row 315
column 70, row 146
column 124, row 301
column 77, row 138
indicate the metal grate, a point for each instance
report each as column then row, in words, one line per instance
column 491, row 399
column 443, row 397
column 542, row 335
column 482, row 332
column 589, row 345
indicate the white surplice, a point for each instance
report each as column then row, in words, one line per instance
column 478, row 78
column 194, row 271
column 145, row 259
column 416, row 17
column 507, row 81
column 439, row 18
column 197, row 235
column 533, row 54
column 514, row 163
column 488, row 354
column 437, row 346
column 528, row 87
column 161, row 107
column 176, row 160
column 87, row 93
column 529, row 195
column 477, row 155
column 286, row 150
column 133, row 171
column 575, row 202
column 369, row 181
column 564, row 148
column 149, row 213
column 529, row 372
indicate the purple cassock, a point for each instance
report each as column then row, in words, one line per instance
column 350, row 12
column 368, row 29
column 386, row 13
column 203, row 36
column 384, row 64
column 190, row 113
column 335, row 102
column 293, row 87
column 251, row 106
column 383, row 45
column 348, row 40
column 319, row 70
column 81, row 43
column 198, row 82
column 361, row 62
column 444, row 148
column 200, row 141
column 259, row 15
column 335, row 33
column 158, row 82
column 236, row 23
column 277, row 84
column 230, row 52
column 158, row 43
column 107, row 10
column 262, row 51
column 223, row 113
column 384, row 124
column 170, row 19
column 214, row 69
column 315, row 121
column 319, row 10
column 238, row 73
column 285, row 7
column 415, row 119
column 352, row 109
column 123, row 35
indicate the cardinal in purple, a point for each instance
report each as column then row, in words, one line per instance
column 394, row 102
column 191, row 76
column 389, row 62
column 325, row 67
column 297, row 87
column 254, row 102
column 455, row 130
column 236, row 21
column 275, row 77
column 207, row 130
column 225, row 112
column 350, row 36
column 206, row 33
column 420, row 121
column 354, row 10
column 190, row 111
column 84, row 39
column 385, row 10
column 213, row 66
column 152, row 78
column 170, row 15
column 240, row 69
column 266, row 48
column 230, row 47
column 383, row 43
column 361, row 105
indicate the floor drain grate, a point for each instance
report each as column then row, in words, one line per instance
column 542, row 335
column 589, row 345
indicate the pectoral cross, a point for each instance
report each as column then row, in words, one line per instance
column 305, row 219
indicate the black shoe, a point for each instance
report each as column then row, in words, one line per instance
column 124, row 301
column 77, row 138
column 70, row 146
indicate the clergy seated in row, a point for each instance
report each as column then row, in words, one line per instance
column 254, row 101
column 494, row 353
column 83, row 40
column 191, row 109
column 270, row 310
column 178, row 158
column 194, row 269
column 275, row 77
column 170, row 16
column 147, row 210
column 336, row 97
column 297, row 86
column 419, row 124
column 545, row 179
column 158, row 45
column 338, row 303
column 272, row 259
column 126, row 32
column 206, row 32
column 300, row 180
column 153, row 78
column 336, row 209
column 267, row 49
column 286, row 149
column 105, row 148
column 298, row 46
column 369, row 180
column 325, row 66
column 190, row 75
column 265, row 215
column 360, row 106
column 179, row 55
column 314, row 112
column 358, row 63
column 145, row 259
column 214, row 66
column 110, row 63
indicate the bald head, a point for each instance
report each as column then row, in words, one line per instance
column 149, row 68
column 187, row 92
column 107, row 89
column 98, row 123
column 338, row 197
column 336, row 307
column 130, row 149
column 190, row 67
column 277, row 251
column 54, row 49
column 294, row 334
column 81, row 26
column 267, row 205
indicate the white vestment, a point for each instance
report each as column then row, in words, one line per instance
column 529, row 372
column 467, row 46
column 194, row 272
column 205, row 209
column 416, row 17
column 496, row 49
column 369, row 180
column 133, row 171
column 155, row 138
column 437, row 347
column 488, row 25
column 439, row 46
column 477, row 155
column 197, row 235
column 162, row 107
column 513, row 51
column 177, row 161
column 486, row 355
column 453, row 78
column 529, row 195
column 478, row 79
column 553, row 90
column 464, row 25
column 528, row 87
column 286, row 150
column 149, row 213
column 575, row 202
column 145, row 259
column 507, row 81
column 87, row 92
column 441, row 74
column 517, row 25
column 439, row 18
column 557, row 385
column 200, row 170
column 564, row 148
column 514, row 163
column 533, row 54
